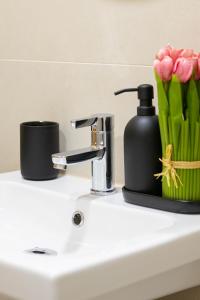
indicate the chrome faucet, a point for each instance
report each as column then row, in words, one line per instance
column 100, row 153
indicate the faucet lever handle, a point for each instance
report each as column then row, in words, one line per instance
column 101, row 122
column 84, row 122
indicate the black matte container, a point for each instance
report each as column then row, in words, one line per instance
column 38, row 141
column 142, row 150
column 142, row 145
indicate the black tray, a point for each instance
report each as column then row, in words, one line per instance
column 156, row 202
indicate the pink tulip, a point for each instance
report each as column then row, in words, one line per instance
column 183, row 68
column 163, row 52
column 175, row 53
column 164, row 68
column 169, row 51
column 187, row 53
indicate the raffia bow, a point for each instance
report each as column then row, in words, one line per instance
column 170, row 167
column 169, row 171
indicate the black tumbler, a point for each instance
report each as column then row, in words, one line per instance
column 38, row 141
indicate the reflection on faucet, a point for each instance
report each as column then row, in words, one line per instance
column 100, row 153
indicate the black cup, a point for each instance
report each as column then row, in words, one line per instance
column 38, row 141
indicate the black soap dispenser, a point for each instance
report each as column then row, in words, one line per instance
column 142, row 145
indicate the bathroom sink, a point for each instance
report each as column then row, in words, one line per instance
column 60, row 242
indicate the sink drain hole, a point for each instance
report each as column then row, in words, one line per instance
column 41, row 251
column 78, row 218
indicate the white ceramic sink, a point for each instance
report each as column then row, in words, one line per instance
column 119, row 248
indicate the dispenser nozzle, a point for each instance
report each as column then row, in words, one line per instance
column 125, row 91
column 145, row 95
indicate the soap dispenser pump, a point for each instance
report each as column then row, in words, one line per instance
column 142, row 145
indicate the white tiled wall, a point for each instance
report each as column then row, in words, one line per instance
column 96, row 31
column 64, row 59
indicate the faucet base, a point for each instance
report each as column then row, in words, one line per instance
column 103, row 193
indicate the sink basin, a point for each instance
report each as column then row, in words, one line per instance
column 32, row 217
column 116, row 247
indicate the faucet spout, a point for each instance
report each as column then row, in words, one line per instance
column 61, row 160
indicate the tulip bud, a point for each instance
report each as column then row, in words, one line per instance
column 164, row 68
column 187, row 53
column 183, row 68
column 175, row 53
column 163, row 52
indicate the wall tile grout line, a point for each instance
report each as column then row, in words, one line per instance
column 73, row 62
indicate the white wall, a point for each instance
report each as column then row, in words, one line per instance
column 64, row 59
